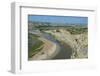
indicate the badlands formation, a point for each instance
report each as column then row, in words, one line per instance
column 78, row 42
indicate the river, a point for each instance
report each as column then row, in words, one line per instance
column 65, row 50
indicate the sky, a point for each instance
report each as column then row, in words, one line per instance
column 59, row 19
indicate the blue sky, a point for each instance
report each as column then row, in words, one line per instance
column 59, row 19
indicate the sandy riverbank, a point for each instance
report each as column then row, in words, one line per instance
column 49, row 50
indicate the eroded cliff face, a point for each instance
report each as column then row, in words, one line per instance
column 78, row 42
column 82, row 41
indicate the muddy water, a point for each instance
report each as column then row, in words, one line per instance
column 65, row 50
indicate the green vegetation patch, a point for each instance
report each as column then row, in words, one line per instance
column 77, row 30
column 34, row 45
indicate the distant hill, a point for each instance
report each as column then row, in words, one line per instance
column 34, row 23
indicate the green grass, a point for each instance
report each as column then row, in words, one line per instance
column 77, row 30
column 34, row 45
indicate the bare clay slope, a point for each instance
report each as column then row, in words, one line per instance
column 78, row 43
